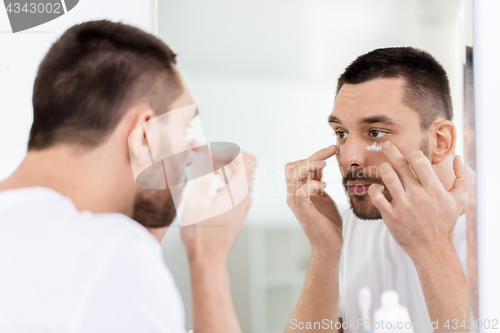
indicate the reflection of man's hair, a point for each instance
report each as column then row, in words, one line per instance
column 427, row 85
column 91, row 75
column 469, row 122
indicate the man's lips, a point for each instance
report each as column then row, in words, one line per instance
column 358, row 187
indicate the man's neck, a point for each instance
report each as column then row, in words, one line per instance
column 90, row 178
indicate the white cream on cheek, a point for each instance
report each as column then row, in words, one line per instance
column 374, row 147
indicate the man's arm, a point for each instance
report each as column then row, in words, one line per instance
column 421, row 218
column 319, row 218
column 213, row 309
column 319, row 300
column 445, row 288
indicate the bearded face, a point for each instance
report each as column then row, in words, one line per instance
column 359, row 200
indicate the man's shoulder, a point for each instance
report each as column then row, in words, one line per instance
column 102, row 269
column 346, row 213
column 115, row 225
column 39, row 214
column 80, row 246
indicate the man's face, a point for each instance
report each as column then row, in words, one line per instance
column 156, row 208
column 364, row 116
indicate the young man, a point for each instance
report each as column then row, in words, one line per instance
column 72, row 258
column 405, row 230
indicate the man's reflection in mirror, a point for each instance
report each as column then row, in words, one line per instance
column 405, row 229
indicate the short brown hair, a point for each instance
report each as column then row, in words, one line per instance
column 427, row 86
column 91, row 75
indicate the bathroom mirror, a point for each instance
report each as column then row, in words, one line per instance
column 470, row 160
column 263, row 74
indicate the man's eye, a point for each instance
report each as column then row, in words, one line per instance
column 377, row 134
column 341, row 135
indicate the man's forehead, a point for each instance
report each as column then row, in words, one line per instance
column 385, row 90
column 380, row 98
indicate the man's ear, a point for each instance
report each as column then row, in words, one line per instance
column 445, row 137
column 137, row 142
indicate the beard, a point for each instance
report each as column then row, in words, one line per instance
column 154, row 208
column 361, row 204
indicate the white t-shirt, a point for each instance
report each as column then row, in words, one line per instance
column 371, row 257
column 65, row 271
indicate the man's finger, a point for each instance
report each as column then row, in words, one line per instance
column 312, row 187
column 400, row 164
column 393, row 183
column 323, row 154
column 240, row 173
column 375, row 191
column 458, row 189
column 298, row 172
column 303, row 194
column 423, row 170
column 320, row 155
column 316, row 175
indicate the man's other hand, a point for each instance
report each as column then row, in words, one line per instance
column 311, row 205
column 210, row 241
column 422, row 215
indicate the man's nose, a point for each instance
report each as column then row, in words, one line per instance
column 353, row 152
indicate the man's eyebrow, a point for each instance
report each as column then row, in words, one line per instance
column 378, row 119
column 333, row 119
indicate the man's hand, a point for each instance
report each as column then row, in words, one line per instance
column 422, row 217
column 209, row 242
column 321, row 221
column 311, row 205
column 422, row 214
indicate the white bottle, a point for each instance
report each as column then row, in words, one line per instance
column 391, row 317
column 365, row 303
